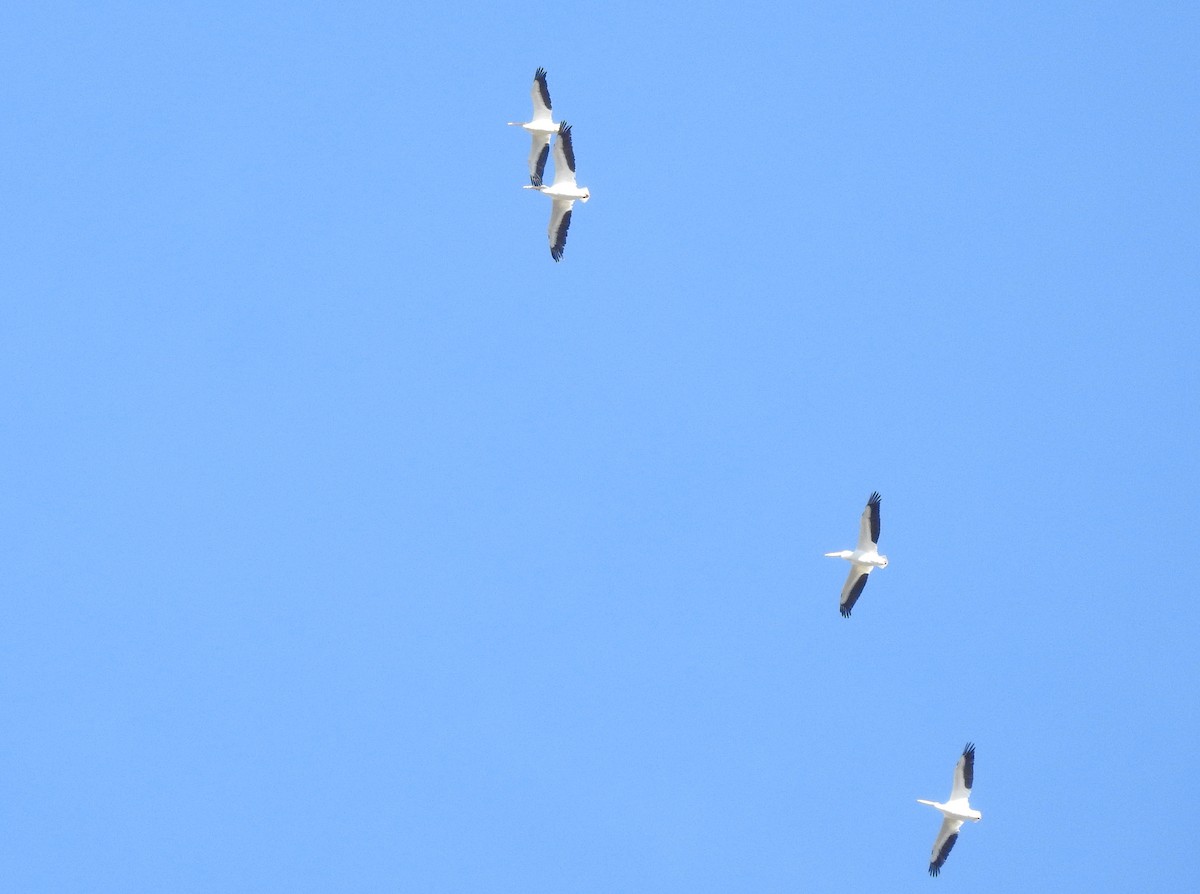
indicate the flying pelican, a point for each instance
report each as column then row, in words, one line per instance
column 864, row 558
column 563, row 191
column 956, row 811
column 540, row 127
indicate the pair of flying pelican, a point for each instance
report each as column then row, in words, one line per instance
column 864, row 559
column 563, row 191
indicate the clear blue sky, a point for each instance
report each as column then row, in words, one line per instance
column 351, row 544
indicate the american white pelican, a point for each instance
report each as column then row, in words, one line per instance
column 955, row 811
column 864, row 558
column 540, row 127
column 563, row 191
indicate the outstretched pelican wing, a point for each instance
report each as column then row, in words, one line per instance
column 853, row 587
column 943, row 844
column 868, row 525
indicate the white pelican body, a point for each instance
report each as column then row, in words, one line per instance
column 864, row 558
column 563, row 191
column 541, row 127
column 955, row 811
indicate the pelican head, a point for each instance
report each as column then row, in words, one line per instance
column 587, row 194
column 883, row 562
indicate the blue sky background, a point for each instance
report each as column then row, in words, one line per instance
column 349, row 543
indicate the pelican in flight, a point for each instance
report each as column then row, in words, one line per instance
column 540, row 127
column 564, row 192
column 864, row 558
column 956, row 811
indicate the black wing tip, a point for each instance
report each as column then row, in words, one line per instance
column 969, row 750
column 874, row 499
column 845, row 610
column 534, row 180
column 563, row 128
column 540, row 74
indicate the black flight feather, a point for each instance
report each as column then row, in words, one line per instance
column 852, row 596
column 540, row 77
column 873, row 504
column 560, row 238
column 936, row 866
column 564, row 139
column 536, row 177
